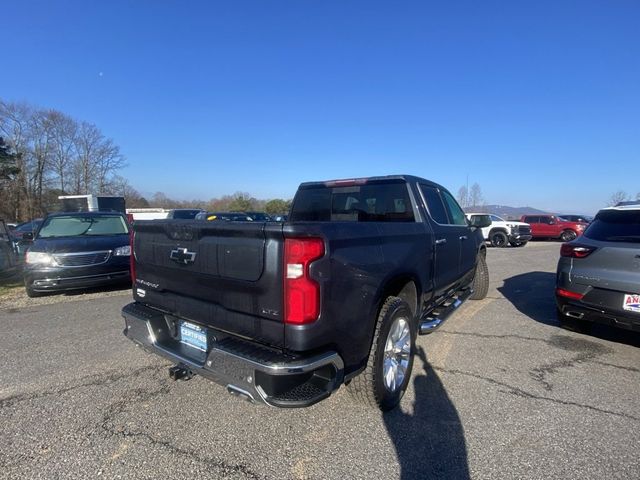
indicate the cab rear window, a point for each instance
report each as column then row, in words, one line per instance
column 372, row 202
column 615, row 226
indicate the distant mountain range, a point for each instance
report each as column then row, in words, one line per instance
column 505, row 211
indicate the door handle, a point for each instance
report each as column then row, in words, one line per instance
column 463, row 237
column 441, row 241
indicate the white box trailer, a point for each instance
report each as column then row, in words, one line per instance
column 92, row 203
column 147, row 213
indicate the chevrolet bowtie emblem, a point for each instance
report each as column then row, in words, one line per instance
column 182, row 255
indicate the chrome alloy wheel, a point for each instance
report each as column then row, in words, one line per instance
column 397, row 351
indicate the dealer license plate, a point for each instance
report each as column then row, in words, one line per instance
column 631, row 302
column 193, row 335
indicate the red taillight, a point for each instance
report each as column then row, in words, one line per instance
column 132, row 258
column 568, row 294
column 301, row 293
column 575, row 250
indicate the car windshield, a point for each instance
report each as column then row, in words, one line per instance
column 83, row 225
column 615, row 226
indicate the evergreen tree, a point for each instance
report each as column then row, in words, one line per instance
column 8, row 162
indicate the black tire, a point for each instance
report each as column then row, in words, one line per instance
column 499, row 239
column 369, row 387
column 480, row 282
column 518, row 244
column 568, row 235
column 573, row 324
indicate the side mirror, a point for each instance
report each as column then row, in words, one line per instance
column 480, row 221
column 28, row 236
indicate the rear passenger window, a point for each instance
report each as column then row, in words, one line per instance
column 371, row 202
column 455, row 212
column 434, row 204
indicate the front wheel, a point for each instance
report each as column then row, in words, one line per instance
column 386, row 376
column 568, row 235
column 499, row 239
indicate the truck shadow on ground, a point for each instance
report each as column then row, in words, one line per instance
column 532, row 294
column 430, row 442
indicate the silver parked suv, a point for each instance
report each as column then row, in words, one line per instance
column 598, row 277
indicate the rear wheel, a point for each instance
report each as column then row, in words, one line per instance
column 499, row 239
column 568, row 235
column 386, row 376
column 480, row 282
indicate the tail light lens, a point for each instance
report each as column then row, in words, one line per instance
column 301, row 292
column 132, row 258
column 575, row 251
column 569, row 294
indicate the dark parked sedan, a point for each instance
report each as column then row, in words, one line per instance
column 78, row 250
column 598, row 276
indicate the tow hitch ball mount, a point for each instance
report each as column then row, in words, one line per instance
column 180, row 372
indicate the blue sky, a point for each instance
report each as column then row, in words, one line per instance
column 538, row 102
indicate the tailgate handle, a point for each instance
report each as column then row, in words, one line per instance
column 463, row 237
column 441, row 241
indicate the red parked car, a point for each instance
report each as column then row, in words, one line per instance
column 552, row 226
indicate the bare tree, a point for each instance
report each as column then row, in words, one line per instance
column 64, row 130
column 475, row 196
column 463, row 196
column 97, row 158
column 617, row 197
column 120, row 186
column 54, row 154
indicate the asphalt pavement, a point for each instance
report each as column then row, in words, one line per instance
column 500, row 391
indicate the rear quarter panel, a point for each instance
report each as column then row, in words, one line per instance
column 361, row 259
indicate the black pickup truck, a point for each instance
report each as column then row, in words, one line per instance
column 286, row 313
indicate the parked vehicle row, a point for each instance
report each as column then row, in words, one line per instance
column 502, row 233
column 286, row 313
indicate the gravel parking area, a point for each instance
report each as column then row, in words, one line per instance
column 500, row 391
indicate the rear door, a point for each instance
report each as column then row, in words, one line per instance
column 226, row 275
column 446, row 239
column 467, row 243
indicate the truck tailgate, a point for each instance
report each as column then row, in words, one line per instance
column 225, row 275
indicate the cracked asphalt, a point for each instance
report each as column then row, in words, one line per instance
column 500, row 391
